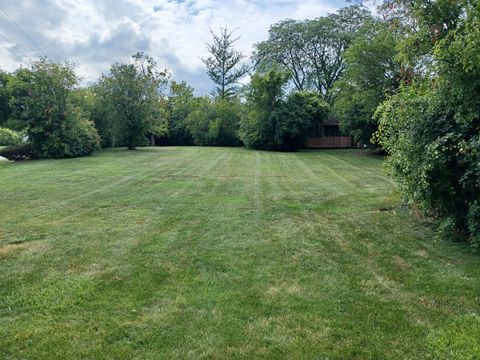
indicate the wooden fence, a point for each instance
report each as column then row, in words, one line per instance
column 329, row 142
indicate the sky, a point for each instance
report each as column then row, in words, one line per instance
column 95, row 34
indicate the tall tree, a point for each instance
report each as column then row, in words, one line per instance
column 42, row 99
column 132, row 95
column 4, row 97
column 224, row 65
column 285, row 47
column 326, row 40
column 371, row 75
column 178, row 105
column 311, row 50
column 266, row 101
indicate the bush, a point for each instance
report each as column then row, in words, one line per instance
column 302, row 112
column 432, row 132
column 274, row 123
column 78, row 138
column 83, row 138
column 55, row 122
column 434, row 155
column 215, row 123
column 266, row 102
column 9, row 137
column 17, row 152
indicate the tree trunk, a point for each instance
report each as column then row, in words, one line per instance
column 152, row 140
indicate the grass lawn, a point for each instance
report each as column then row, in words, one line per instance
column 188, row 252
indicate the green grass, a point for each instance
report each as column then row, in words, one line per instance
column 225, row 253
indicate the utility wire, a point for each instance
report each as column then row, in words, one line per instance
column 14, row 54
column 23, row 32
column 14, row 46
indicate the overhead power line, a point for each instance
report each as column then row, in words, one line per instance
column 14, row 46
column 23, row 32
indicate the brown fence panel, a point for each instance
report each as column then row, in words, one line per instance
column 329, row 142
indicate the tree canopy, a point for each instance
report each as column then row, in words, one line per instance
column 224, row 63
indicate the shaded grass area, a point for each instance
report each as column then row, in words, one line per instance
column 187, row 252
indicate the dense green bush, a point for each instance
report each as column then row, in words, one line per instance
column 276, row 123
column 17, row 152
column 303, row 112
column 42, row 99
column 432, row 132
column 214, row 123
column 78, row 138
column 178, row 105
column 9, row 137
column 265, row 105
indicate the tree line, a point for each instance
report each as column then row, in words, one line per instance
column 136, row 103
column 405, row 80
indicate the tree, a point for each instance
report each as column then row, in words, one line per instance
column 372, row 74
column 215, row 123
column 223, row 66
column 101, row 114
column 42, row 99
column 178, row 105
column 224, row 127
column 265, row 102
column 303, row 112
column 276, row 122
column 285, row 47
column 311, row 50
column 4, row 98
column 131, row 93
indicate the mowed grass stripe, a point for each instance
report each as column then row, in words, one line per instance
column 188, row 252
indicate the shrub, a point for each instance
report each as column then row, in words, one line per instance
column 214, row 123
column 303, row 111
column 274, row 123
column 78, row 138
column 265, row 101
column 431, row 130
column 56, row 125
column 17, row 152
column 9, row 137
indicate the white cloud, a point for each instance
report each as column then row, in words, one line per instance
column 95, row 34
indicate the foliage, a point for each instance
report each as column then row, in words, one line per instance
column 311, row 50
column 276, row 123
column 9, row 137
column 214, row 123
column 177, row 106
column 130, row 94
column 285, row 47
column 432, row 131
column 17, row 152
column 265, row 102
column 4, row 97
column 41, row 98
column 223, row 66
column 372, row 74
column 303, row 112
column 11, row 89
column 422, row 25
